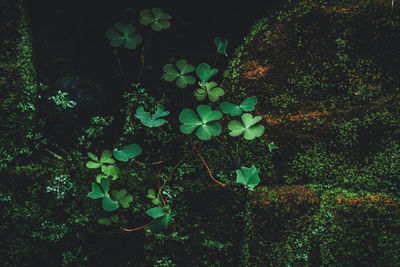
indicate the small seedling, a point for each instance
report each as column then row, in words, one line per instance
column 221, row 45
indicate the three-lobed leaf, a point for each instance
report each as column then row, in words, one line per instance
column 205, row 122
column 209, row 89
column 101, row 191
column 95, row 163
column 179, row 73
column 248, row 177
column 157, row 19
column 246, row 127
column 152, row 120
column 248, row 104
column 123, row 34
column 122, row 197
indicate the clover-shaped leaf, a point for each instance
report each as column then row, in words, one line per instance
column 210, row 89
column 123, row 34
column 247, row 104
column 95, row 163
column 204, row 72
column 152, row 195
column 205, row 122
column 157, row 19
column 127, row 152
column 248, row 177
column 122, row 197
column 102, row 192
column 246, row 128
column 221, row 45
column 108, row 221
column 179, row 73
column 151, row 120
column 108, row 171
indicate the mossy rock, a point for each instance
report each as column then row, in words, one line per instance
column 324, row 72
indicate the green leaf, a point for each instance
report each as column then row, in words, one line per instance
column 127, row 152
column 204, row 72
column 151, row 194
column 111, row 170
column 122, row 197
column 114, row 218
column 246, row 128
column 105, row 221
column 108, row 204
column 96, row 192
column 209, row 89
column 272, row 146
column 152, row 120
column 248, row 104
column 93, row 165
column 106, row 157
column 156, row 201
column 160, row 224
column 156, row 18
column 205, row 122
column 92, row 156
column 100, row 176
column 180, row 73
column 221, row 45
column 155, row 212
column 121, row 34
column 248, row 177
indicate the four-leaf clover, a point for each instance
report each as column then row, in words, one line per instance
column 246, row 128
column 123, row 34
column 156, row 18
column 152, row 120
column 248, row 177
column 205, row 122
column 209, row 89
column 172, row 73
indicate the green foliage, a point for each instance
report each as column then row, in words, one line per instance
column 109, row 220
column 182, row 79
column 246, row 127
column 121, row 34
column 152, row 120
column 247, row 104
column 152, row 195
column 209, row 89
column 272, row 146
column 102, row 192
column 95, row 163
column 248, row 177
column 160, row 219
column 157, row 19
column 109, row 171
column 204, row 72
column 205, row 122
column 122, row 197
column 62, row 99
column 127, row 152
column 221, row 45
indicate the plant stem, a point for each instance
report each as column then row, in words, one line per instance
column 143, row 55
